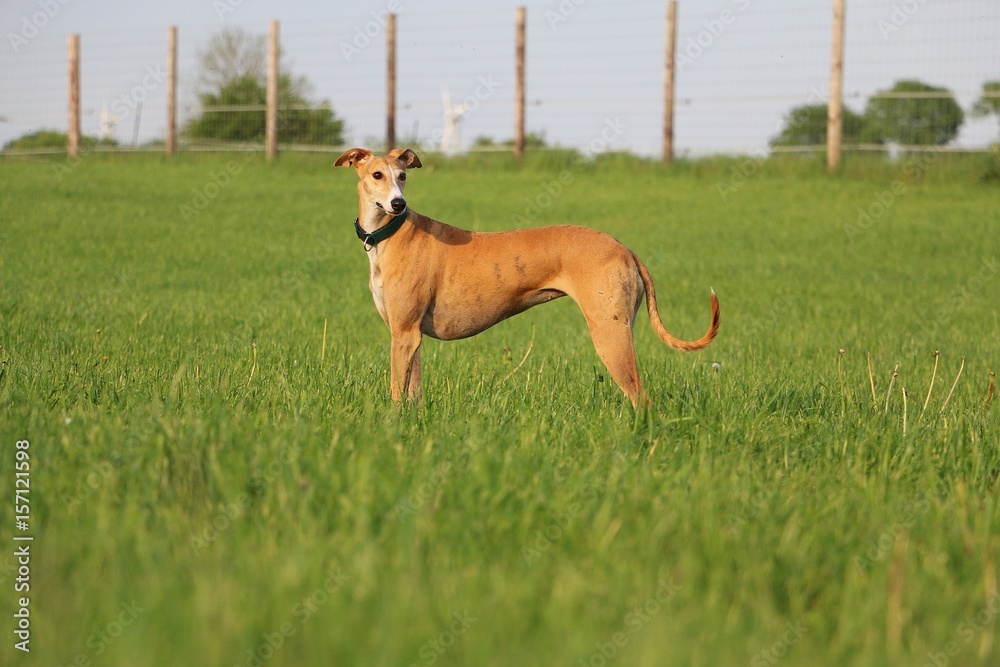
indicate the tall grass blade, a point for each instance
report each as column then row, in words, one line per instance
column 871, row 383
column 954, row 384
column 927, row 400
column 892, row 380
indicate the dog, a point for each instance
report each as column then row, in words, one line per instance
column 429, row 278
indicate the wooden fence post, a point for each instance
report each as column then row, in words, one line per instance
column 519, row 22
column 73, row 133
column 834, row 119
column 171, row 144
column 668, row 82
column 390, row 82
column 271, row 114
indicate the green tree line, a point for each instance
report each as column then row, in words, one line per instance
column 233, row 75
column 911, row 113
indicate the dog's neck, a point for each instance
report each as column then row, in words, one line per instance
column 372, row 218
column 383, row 233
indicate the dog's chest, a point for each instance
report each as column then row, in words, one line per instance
column 375, row 283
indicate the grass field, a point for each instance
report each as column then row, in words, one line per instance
column 219, row 478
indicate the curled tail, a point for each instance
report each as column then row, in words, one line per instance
column 661, row 331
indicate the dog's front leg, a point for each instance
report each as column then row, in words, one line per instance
column 405, row 364
column 413, row 386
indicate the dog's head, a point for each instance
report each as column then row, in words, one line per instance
column 382, row 177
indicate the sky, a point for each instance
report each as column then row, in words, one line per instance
column 594, row 72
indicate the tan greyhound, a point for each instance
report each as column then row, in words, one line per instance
column 448, row 283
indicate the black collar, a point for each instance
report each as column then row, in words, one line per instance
column 372, row 239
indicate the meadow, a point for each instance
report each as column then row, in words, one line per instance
column 218, row 476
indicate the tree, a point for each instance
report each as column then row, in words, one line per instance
column 532, row 140
column 43, row 139
column 912, row 113
column 231, row 55
column 806, row 126
column 299, row 125
column 989, row 103
column 233, row 74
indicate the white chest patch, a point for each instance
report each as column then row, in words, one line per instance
column 375, row 283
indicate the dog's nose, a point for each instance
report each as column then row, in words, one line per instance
column 398, row 204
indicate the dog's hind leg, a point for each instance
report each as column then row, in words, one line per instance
column 613, row 342
column 610, row 300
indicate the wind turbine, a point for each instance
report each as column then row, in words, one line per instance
column 108, row 122
column 451, row 142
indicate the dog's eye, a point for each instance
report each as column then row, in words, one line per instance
column 402, row 176
column 377, row 175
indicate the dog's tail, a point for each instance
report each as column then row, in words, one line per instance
column 661, row 331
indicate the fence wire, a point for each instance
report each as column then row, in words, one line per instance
column 594, row 76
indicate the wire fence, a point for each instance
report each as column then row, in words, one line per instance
column 594, row 78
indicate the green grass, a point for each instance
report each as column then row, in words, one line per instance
column 211, row 485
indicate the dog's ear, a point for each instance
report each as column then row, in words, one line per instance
column 353, row 157
column 407, row 157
